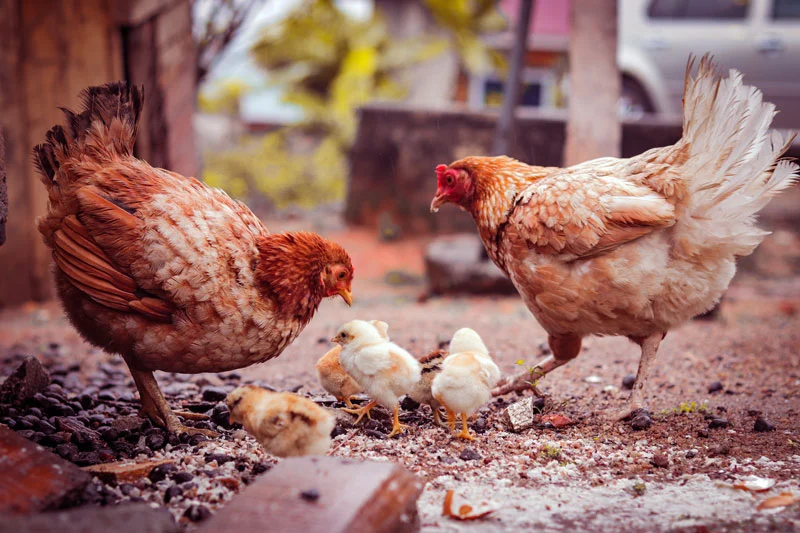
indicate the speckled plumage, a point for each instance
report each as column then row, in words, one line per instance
column 162, row 269
column 637, row 246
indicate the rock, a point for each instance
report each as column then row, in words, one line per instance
column 128, row 517
column 702, row 433
column 384, row 502
column 557, row 420
column 458, row 264
column 260, row 468
column 127, row 423
column 28, row 379
column 220, row 458
column 172, row 492
column 628, row 381
column 182, row 477
column 721, row 449
column 660, row 460
column 35, row 480
column 198, row 513
column 214, row 394
column 159, row 472
column 468, row 454
column 124, row 471
column 718, row 423
column 762, row 425
column 310, row 495
column 640, row 422
column 715, row 386
column 221, row 416
column 519, row 415
column 691, row 454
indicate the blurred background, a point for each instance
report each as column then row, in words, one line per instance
column 332, row 114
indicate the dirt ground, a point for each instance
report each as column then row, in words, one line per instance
column 590, row 476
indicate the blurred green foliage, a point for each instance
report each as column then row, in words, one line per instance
column 329, row 65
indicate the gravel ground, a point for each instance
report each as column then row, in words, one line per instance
column 591, row 475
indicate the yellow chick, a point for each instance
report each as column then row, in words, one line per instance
column 385, row 370
column 335, row 379
column 421, row 393
column 284, row 423
column 466, row 380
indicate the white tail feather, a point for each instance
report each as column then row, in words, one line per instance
column 733, row 161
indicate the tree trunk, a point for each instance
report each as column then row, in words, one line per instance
column 593, row 127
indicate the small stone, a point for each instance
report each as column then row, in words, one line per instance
column 172, row 492
column 87, row 458
column 722, row 449
column 160, row 472
column 628, row 381
column 481, row 425
column 641, row 422
column 691, row 454
column 67, row 451
column 718, row 423
column 28, row 379
column 375, row 434
column 214, row 394
column 519, row 415
column 220, row 458
column 197, row 513
column 106, row 396
column 51, row 441
column 762, row 425
column 182, row 477
column 260, row 468
column 715, row 386
column 127, row 488
column 221, row 416
column 660, row 460
column 468, row 454
column 537, row 405
column 310, row 495
column 702, row 433
column 409, row 404
column 156, row 441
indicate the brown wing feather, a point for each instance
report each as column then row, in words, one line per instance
column 89, row 269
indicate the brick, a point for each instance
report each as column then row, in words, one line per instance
column 133, row 518
column 519, row 416
column 34, row 479
column 123, row 471
column 324, row 495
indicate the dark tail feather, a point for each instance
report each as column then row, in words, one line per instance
column 101, row 106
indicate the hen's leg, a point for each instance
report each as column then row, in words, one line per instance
column 362, row 411
column 464, row 429
column 649, row 348
column 397, row 427
column 564, row 347
column 155, row 406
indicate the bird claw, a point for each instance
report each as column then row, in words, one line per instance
column 361, row 412
column 465, row 435
column 188, row 415
column 397, row 429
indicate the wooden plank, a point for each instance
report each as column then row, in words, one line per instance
column 3, row 188
column 124, row 518
column 34, row 479
column 324, row 495
column 136, row 12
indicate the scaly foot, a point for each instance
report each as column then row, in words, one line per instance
column 362, row 411
column 437, row 419
column 397, row 427
column 464, row 434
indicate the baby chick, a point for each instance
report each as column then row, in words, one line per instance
column 421, row 393
column 335, row 379
column 284, row 423
column 385, row 370
column 466, row 380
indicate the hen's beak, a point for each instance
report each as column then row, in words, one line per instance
column 346, row 295
column 437, row 201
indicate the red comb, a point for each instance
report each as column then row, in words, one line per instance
column 440, row 169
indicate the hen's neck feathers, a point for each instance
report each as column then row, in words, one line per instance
column 289, row 272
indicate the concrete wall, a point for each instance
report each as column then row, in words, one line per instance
column 397, row 149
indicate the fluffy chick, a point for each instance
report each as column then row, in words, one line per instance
column 421, row 393
column 335, row 379
column 466, row 380
column 385, row 370
column 284, row 423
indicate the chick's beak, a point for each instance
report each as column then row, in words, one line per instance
column 436, row 202
column 346, row 295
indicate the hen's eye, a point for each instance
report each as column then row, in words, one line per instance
column 342, row 274
column 449, row 180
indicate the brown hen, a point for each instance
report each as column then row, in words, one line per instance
column 637, row 246
column 160, row 268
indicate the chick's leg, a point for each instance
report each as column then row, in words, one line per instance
column 451, row 419
column 348, row 401
column 437, row 416
column 155, row 406
column 464, row 429
column 362, row 411
column 565, row 348
column 649, row 349
column 397, row 427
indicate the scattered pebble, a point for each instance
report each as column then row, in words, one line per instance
column 310, row 495
column 469, row 454
column 593, row 379
column 197, row 513
column 660, row 460
column 628, row 381
column 214, row 394
column 718, row 423
column 640, row 422
column 762, row 425
column 715, row 386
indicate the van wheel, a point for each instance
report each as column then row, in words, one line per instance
column 634, row 100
